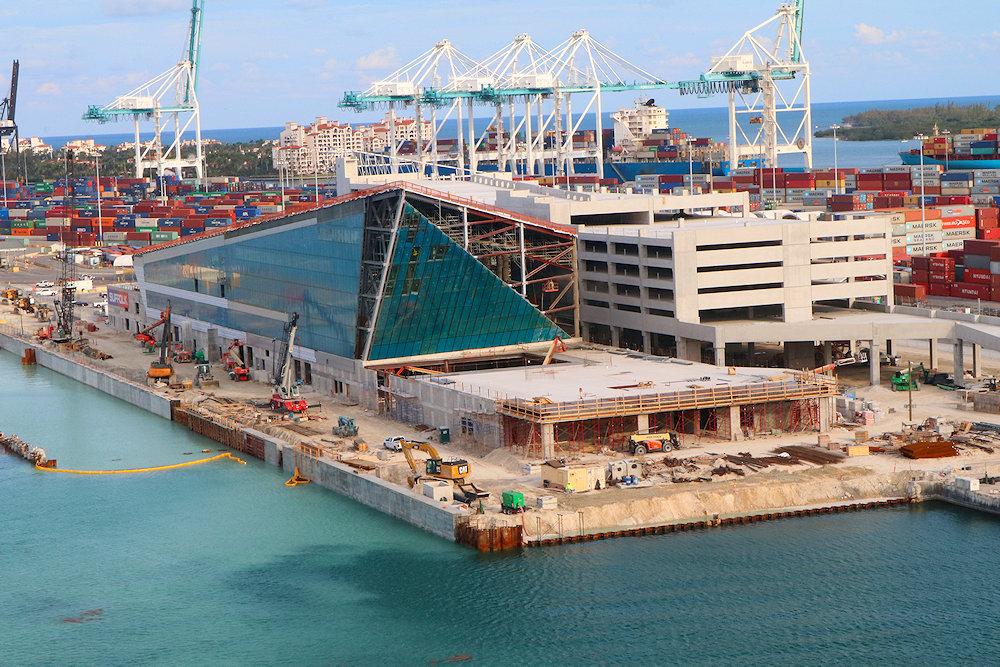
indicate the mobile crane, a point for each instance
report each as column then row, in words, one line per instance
column 148, row 335
column 235, row 365
column 286, row 392
column 160, row 369
column 449, row 471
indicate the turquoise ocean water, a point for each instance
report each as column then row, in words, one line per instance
column 221, row 564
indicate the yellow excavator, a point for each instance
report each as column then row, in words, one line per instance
column 437, row 468
column 160, row 369
column 10, row 294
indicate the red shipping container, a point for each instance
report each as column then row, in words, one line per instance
column 995, row 281
column 979, row 246
column 941, row 277
column 976, row 276
column 939, row 289
column 911, row 291
column 921, row 263
column 941, row 263
column 995, row 254
column 970, row 291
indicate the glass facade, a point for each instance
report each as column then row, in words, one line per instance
column 439, row 298
column 313, row 270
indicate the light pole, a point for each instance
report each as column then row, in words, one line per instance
column 923, row 212
column 100, row 225
column 690, row 168
column 3, row 166
column 316, row 174
column 947, row 148
column 836, row 178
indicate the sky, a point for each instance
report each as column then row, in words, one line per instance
column 265, row 62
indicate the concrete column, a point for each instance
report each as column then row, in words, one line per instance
column 647, row 345
column 548, row 441
column 874, row 369
column 616, row 337
column 827, row 352
column 688, row 349
column 642, row 423
column 888, row 347
column 933, row 353
column 959, row 356
column 735, row 432
column 720, row 356
column 826, row 412
column 750, row 353
column 977, row 360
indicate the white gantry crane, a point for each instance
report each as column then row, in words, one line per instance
column 166, row 100
column 767, row 79
column 541, row 136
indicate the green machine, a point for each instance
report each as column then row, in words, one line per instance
column 512, row 502
column 904, row 381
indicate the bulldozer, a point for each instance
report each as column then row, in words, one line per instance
column 455, row 471
column 345, row 427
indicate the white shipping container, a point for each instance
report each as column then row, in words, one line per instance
column 921, row 248
column 899, row 229
column 898, row 241
column 923, row 237
column 926, row 225
column 953, row 244
column 963, row 233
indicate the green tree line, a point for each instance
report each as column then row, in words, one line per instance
column 884, row 124
column 228, row 159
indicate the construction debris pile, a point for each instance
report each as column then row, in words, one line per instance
column 937, row 438
column 15, row 445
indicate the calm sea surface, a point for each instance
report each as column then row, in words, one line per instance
column 221, row 564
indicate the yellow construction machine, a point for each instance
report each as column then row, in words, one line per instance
column 455, row 472
column 10, row 294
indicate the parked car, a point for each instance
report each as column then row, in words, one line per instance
column 45, row 292
column 100, row 304
column 393, row 443
column 44, row 283
column 80, row 303
column 86, row 277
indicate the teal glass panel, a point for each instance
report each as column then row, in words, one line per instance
column 312, row 268
column 439, row 298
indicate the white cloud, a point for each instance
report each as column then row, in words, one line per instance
column 142, row 7
column 869, row 34
column 379, row 59
column 48, row 88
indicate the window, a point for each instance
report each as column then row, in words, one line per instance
column 659, row 273
column 596, row 267
column 627, row 270
column 595, row 286
column 595, row 246
column 627, row 307
column 595, row 304
column 629, row 249
column 660, row 313
column 659, row 252
column 627, row 290
column 660, row 294
column 468, row 426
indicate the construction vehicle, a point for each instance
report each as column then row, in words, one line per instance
column 846, row 361
column 160, row 369
column 44, row 333
column 904, row 381
column 653, row 442
column 203, row 376
column 25, row 302
column 148, row 335
column 285, row 391
column 345, row 428
column 182, row 355
column 512, row 502
column 450, row 471
column 557, row 346
column 235, row 365
column 10, row 294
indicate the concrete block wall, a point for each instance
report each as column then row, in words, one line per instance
column 435, row 517
column 142, row 397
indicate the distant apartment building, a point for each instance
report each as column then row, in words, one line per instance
column 304, row 149
column 84, row 148
column 32, row 145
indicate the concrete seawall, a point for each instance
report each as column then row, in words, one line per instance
column 113, row 385
column 406, row 504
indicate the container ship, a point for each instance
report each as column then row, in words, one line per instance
column 972, row 149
